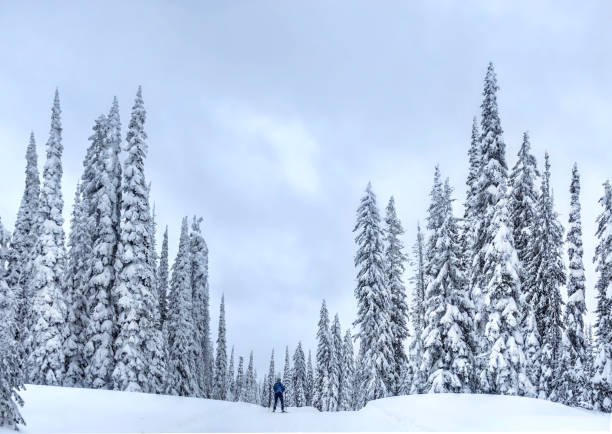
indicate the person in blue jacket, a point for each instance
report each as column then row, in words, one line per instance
column 279, row 388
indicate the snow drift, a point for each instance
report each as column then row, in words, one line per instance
column 58, row 409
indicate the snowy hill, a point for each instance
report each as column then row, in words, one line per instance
column 56, row 409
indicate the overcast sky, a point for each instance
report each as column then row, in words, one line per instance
column 269, row 118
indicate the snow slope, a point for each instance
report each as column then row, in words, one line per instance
column 56, row 409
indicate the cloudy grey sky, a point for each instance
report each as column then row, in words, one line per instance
column 268, row 118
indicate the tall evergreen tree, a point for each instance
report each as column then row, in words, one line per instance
column 335, row 364
column 231, row 379
column 201, row 313
column 320, row 398
column 100, row 207
column 345, row 402
column 50, row 330
column 602, row 374
column 373, row 301
column 573, row 365
column 299, row 377
column 289, row 393
column 220, row 385
column 20, row 254
column 449, row 355
column 490, row 185
column 250, row 383
column 472, row 179
column 238, row 394
column 394, row 268
column 504, row 370
column 523, row 200
column 309, row 388
column 413, row 380
column 11, row 375
column 137, row 342
column 76, row 279
column 182, row 345
column 547, row 273
column 162, row 278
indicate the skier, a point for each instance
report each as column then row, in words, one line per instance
column 279, row 388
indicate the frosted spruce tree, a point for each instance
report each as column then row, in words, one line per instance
column 11, row 374
column 238, row 393
column 504, row 370
column 602, row 374
column 231, row 379
column 395, row 259
column 298, row 379
column 573, row 389
column 249, row 390
column 345, row 402
column 201, row 313
column 448, row 357
column 373, row 301
column 182, row 345
column 309, row 387
column 492, row 174
column 289, row 394
column 545, row 266
column 413, row 379
column 220, row 384
column 523, row 200
column 321, row 397
column 101, row 197
column 471, row 194
column 21, row 252
column 335, row 364
column 162, row 278
column 76, row 278
column 46, row 363
column 137, row 345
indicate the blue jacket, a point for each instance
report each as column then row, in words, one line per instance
column 279, row 387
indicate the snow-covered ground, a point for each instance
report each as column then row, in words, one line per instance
column 56, row 409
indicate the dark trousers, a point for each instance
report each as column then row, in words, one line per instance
column 277, row 396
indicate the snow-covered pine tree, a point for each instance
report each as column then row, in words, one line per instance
column 413, row 380
column 101, row 223
column 335, row 364
column 472, row 178
column 201, row 313
column 448, row 357
column 573, row 388
column 299, row 377
column 523, row 199
column 547, row 275
column 249, row 389
column 238, row 394
column 11, row 375
column 309, row 387
column 76, row 279
column 162, row 278
column 491, row 174
column 138, row 345
column 182, row 373
column 20, row 254
column 231, row 379
column 46, row 364
column 533, row 348
column 394, row 268
column 220, row 384
column 270, row 382
column 289, row 394
column 345, row 401
column 602, row 372
column 113, row 161
column 373, row 301
column 320, row 398
column 504, row 363
column 264, row 396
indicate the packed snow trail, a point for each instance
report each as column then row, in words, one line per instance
column 57, row 409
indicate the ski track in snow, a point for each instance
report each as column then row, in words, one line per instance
column 57, row 409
